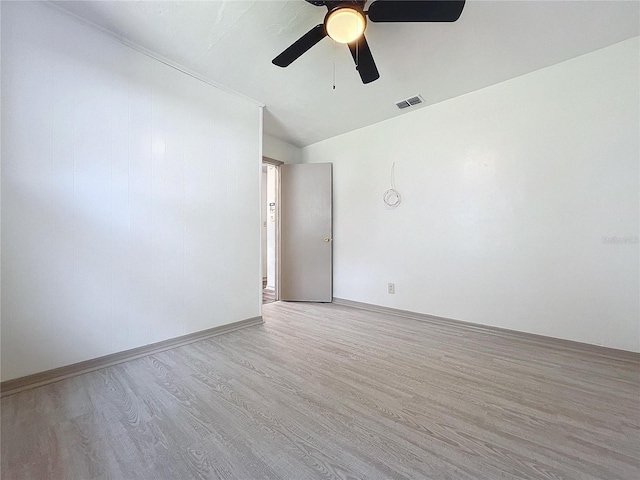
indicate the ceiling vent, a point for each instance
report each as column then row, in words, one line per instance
column 410, row 102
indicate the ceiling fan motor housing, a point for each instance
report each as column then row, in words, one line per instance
column 346, row 22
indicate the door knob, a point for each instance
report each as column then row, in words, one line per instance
column 327, row 239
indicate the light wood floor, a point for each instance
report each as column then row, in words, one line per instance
column 323, row 391
column 268, row 295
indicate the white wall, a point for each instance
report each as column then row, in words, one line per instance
column 0, row 199
column 130, row 195
column 508, row 193
column 277, row 149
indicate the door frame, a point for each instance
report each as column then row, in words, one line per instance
column 276, row 164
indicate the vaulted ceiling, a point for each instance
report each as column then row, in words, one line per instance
column 232, row 43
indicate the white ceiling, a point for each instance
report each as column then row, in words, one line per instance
column 232, row 43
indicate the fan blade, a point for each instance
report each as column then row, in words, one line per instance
column 300, row 46
column 415, row 10
column 364, row 60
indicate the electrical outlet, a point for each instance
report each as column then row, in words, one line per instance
column 391, row 288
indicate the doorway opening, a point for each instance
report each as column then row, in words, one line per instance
column 270, row 229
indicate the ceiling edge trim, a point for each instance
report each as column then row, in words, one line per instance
column 149, row 53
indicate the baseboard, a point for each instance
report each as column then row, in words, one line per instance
column 10, row 387
column 587, row 347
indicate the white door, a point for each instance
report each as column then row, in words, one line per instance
column 306, row 254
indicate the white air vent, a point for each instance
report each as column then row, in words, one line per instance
column 409, row 102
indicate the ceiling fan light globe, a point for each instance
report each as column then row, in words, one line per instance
column 345, row 24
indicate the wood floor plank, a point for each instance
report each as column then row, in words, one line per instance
column 325, row 391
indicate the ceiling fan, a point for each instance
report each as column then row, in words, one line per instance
column 346, row 21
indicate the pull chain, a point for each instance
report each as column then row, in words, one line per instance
column 334, row 64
